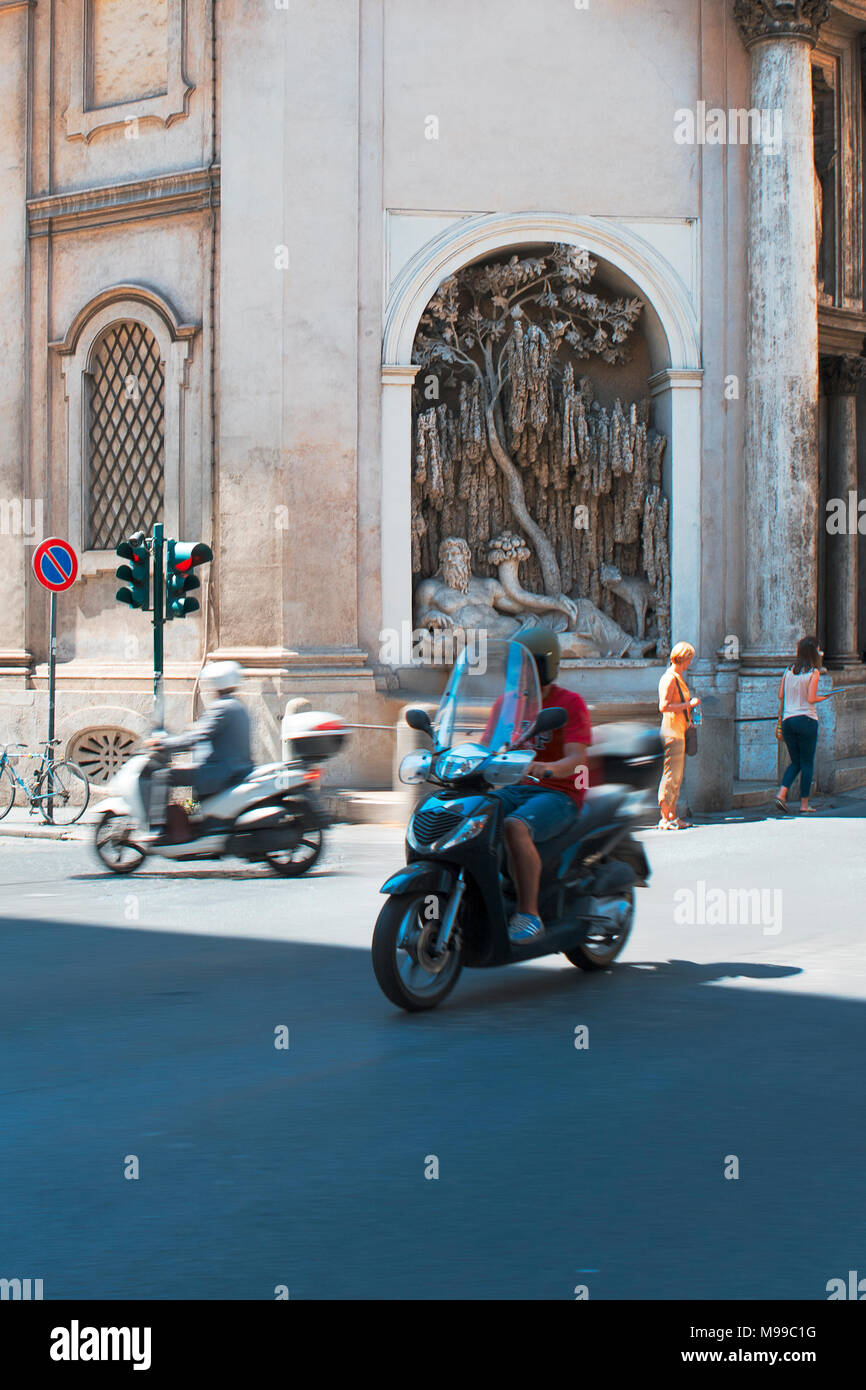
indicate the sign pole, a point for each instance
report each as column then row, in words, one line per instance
column 158, row 618
column 52, row 658
column 55, row 565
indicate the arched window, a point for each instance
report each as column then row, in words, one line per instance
column 125, row 469
column 124, row 362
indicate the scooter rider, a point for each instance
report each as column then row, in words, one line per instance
column 221, row 735
column 539, row 810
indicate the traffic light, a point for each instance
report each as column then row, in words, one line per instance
column 136, row 573
column 181, row 557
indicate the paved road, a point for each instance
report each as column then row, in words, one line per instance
column 137, row 1017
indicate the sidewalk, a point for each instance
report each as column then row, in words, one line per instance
column 21, row 824
column 389, row 808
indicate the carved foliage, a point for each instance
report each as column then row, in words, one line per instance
column 588, row 477
column 783, row 19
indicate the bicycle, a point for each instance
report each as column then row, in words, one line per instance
column 63, row 782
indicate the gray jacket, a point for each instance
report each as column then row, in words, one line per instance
column 222, row 740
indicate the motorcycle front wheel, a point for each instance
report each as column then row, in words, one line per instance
column 113, row 848
column 608, row 933
column 405, row 964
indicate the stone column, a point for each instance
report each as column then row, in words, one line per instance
column 781, row 450
column 842, row 376
column 396, row 497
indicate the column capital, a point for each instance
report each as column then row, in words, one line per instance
column 843, row 375
column 780, row 19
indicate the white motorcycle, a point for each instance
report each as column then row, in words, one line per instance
column 274, row 817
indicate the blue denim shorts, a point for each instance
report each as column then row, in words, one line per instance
column 546, row 813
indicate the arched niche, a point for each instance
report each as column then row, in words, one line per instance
column 671, row 331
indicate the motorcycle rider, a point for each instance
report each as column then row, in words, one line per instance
column 220, row 741
column 539, row 810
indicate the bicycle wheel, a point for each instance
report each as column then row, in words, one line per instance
column 7, row 792
column 65, row 792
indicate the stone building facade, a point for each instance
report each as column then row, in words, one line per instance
column 221, row 224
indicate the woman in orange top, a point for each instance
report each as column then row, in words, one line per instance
column 674, row 707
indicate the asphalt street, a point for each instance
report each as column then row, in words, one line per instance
column 138, row 1018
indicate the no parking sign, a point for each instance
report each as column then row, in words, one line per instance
column 55, row 564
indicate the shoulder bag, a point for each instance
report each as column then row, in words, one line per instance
column 779, row 735
column 691, row 740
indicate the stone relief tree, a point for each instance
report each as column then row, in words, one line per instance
column 519, row 445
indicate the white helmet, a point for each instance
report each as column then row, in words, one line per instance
column 219, row 677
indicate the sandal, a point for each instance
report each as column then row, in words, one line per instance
column 809, row 811
column 781, row 806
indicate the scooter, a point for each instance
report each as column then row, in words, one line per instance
column 274, row 817
column 450, row 906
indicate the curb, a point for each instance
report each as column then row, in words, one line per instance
column 41, row 832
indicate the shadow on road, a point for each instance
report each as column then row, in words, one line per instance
column 306, row 1166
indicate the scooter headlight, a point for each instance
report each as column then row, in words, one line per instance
column 460, row 762
column 469, row 830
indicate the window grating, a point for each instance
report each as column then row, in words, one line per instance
column 126, row 436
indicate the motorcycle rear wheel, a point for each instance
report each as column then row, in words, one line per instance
column 406, row 970
column 297, row 860
column 603, row 945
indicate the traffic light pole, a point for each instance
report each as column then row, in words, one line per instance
column 158, row 619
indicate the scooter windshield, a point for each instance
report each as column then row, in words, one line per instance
column 492, row 703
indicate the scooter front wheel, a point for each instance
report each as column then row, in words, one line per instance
column 112, row 847
column 608, row 933
column 406, row 966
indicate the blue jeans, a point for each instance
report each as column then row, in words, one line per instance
column 546, row 813
column 801, row 739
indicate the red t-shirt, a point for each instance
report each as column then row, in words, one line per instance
column 549, row 747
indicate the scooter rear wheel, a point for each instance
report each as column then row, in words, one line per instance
column 604, row 943
column 112, row 849
column 407, row 970
column 297, row 859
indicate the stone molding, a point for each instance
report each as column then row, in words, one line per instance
column 780, row 19
column 83, row 121
column 145, row 306
column 842, row 376
column 189, row 190
column 475, row 237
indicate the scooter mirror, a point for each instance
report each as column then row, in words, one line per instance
column 419, row 719
column 549, row 719
column 415, row 767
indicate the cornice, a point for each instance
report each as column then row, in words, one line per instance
column 759, row 20
column 841, row 332
column 163, row 195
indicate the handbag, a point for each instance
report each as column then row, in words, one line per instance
column 779, row 735
column 691, row 739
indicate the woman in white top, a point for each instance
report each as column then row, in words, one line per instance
column 798, row 691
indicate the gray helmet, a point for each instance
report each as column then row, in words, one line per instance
column 544, row 645
column 219, row 677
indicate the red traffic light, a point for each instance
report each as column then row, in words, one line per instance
column 185, row 557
